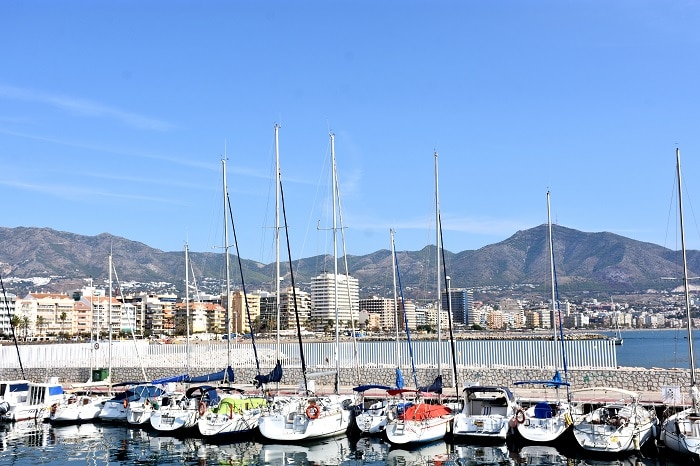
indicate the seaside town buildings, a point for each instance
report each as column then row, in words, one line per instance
column 90, row 311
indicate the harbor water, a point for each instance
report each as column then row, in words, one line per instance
column 662, row 348
column 31, row 444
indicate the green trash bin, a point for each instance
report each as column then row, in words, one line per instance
column 98, row 375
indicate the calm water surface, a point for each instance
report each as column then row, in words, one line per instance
column 665, row 348
column 31, row 444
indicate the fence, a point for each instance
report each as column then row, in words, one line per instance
column 580, row 354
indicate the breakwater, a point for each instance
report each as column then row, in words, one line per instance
column 636, row 379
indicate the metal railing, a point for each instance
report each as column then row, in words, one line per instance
column 590, row 354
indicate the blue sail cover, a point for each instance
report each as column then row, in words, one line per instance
column 364, row 388
column 399, row 378
column 225, row 375
column 554, row 383
column 172, row 379
column 274, row 376
column 435, row 387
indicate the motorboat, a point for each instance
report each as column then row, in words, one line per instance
column 486, row 413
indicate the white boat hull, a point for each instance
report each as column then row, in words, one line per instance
column 538, row 429
column 404, row 432
column 113, row 411
column 85, row 408
column 292, row 422
column 168, row 420
column 628, row 431
column 681, row 433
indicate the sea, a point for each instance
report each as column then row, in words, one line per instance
column 29, row 443
column 655, row 348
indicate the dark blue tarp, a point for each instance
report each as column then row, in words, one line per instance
column 274, row 376
column 225, row 375
column 435, row 387
column 364, row 388
column 172, row 379
column 19, row 387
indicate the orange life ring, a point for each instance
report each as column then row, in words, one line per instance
column 312, row 411
column 520, row 416
column 202, row 408
column 126, row 403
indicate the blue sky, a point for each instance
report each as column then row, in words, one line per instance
column 114, row 117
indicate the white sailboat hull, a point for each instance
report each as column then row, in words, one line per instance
column 85, row 408
column 292, row 422
column 628, row 430
column 168, row 420
column 681, row 432
column 405, row 432
column 545, row 426
column 139, row 413
column 113, row 411
column 546, row 430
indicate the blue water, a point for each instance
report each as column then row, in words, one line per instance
column 31, row 444
column 664, row 348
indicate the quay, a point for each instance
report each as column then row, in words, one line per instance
column 501, row 362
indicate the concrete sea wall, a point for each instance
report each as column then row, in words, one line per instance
column 636, row 379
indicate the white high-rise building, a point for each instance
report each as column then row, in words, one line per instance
column 323, row 293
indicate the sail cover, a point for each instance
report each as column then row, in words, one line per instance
column 435, row 387
column 221, row 376
column 274, row 376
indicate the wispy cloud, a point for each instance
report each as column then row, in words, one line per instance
column 84, row 107
column 74, row 193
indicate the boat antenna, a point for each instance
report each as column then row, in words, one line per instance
column 14, row 337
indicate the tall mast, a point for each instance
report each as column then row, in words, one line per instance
column 109, row 320
column 228, row 270
column 187, row 307
column 686, row 288
column 396, row 300
column 335, row 265
column 437, row 265
column 555, row 317
column 277, row 236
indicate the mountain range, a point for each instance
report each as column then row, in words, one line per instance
column 43, row 259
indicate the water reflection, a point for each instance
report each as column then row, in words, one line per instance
column 29, row 443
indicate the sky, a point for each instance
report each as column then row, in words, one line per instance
column 115, row 118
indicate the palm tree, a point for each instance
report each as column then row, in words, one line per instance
column 39, row 323
column 15, row 321
column 63, row 318
column 25, row 326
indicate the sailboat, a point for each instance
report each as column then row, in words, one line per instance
column 547, row 420
column 681, row 431
column 423, row 421
column 308, row 416
column 238, row 412
column 617, row 338
column 374, row 418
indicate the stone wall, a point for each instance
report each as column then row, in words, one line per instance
column 636, row 379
